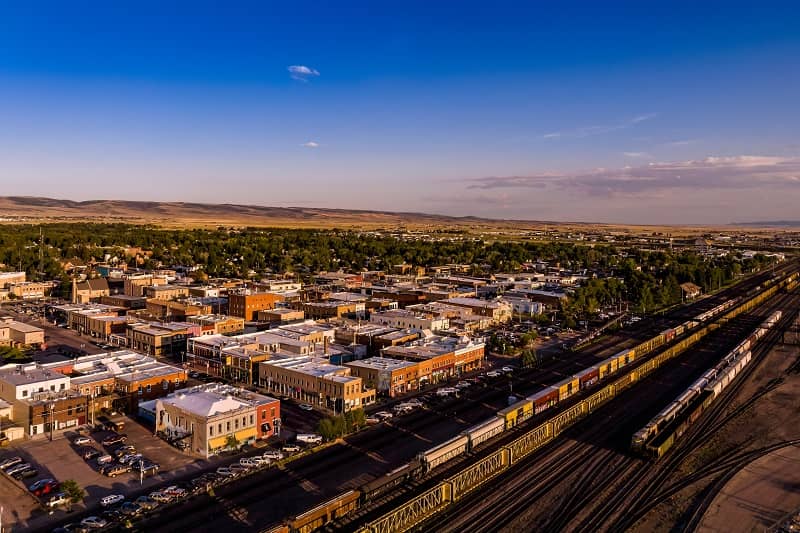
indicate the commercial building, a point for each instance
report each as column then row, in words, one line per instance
column 179, row 310
column 407, row 319
column 316, row 381
column 440, row 357
column 9, row 278
column 165, row 292
column 247, row 304
column 391, row 377
column 41, row 400
column 212, row 418
column 19, row 333
column 280, row 316
column 159, row 340
column 332, row 309
column 124, row 379
column 30, row 290
column 135, row 284
column 498, row 311
column 218, row 324
column 124, row 301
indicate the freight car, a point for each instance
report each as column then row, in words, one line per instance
column 442, row 453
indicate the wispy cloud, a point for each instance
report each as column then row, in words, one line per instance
column 636, row 155
column 586, row 131
column 302, row 72
column 712, row 173
column 311, row 144
column 681, row 142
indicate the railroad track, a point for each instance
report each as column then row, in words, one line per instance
column 629, row 472
column 710, row 422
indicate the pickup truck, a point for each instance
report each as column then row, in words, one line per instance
column 309, row 438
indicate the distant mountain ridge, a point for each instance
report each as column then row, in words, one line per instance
column 193, row 212
column 772, row 224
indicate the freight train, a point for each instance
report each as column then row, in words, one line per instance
column 607, row 377
column 660, row 433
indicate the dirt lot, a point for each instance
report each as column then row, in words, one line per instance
column 771, row 419
column 60, row 460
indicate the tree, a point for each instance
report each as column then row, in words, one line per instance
column 74, row 492
column 529, row 358
column 231, row 441
column 327, row 429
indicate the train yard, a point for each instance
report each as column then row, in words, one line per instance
column 584, row 481
column 364, row 458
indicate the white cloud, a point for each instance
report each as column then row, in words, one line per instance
column 636, row 155
column 311, row 144
column 587, row 131
column 652, row 179
column 302, row 72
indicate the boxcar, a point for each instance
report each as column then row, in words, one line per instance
column 484, row 431
column 608, row 366
column 515, row 414
column 567, row 387
column 544, row 399
column 444, row 452
column 588, row 376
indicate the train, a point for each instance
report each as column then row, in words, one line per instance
column 676, row 417
column 608, row 378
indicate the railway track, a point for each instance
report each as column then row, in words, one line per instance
column 602, row 471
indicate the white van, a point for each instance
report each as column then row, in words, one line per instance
column 111, row 499
column 309, row 438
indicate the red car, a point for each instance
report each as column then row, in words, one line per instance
column 44, row 486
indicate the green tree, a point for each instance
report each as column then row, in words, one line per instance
column 327, row 429
column 529, row 358
column 231, row 441
column 74, row 492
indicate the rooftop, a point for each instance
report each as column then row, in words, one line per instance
column 213, row 399
column 382, row 363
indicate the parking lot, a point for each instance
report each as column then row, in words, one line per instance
column 62, row 460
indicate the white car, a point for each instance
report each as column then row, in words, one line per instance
column 259, row 460
column 94, row 522
column 80, row 441
column 160, row 497
column 493, row 374
column 225, row 472
column 272, row 455
column 306, row 407
column 309, row 438
column 290, row 448
column 383, row 415
column 507, row 369
column 372, row 420
column 111, row 499
column 248, row 462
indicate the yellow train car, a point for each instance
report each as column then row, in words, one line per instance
column 624, row 357
column 567, row 387
column 607, row 366
column 516, row 413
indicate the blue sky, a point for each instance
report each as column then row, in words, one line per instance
column 637, row 112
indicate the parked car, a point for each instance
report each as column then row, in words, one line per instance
column 72, row 528
column 290, row 448
column 309, row 438
column 111, row 499
column 81, row 441
column 130, row 509
column 306, row 407
column 273, row 455
column 130, row 458
column 259, row 460
column 148, row 468
column 115, row 470
column 507, row 369
column 383, row 415
column 146, row 503
column 175, row 491
column 90, row 453
column 104, row 460
column 114, row 439
column 94, row 522
column 17, row 468
column 57, row 499
column 160, row 497
column 124, row 450
column 372, row 420
column 43, row 486
column 237, row 469
column 25, row 474
column 248, row 462
column 11, row 461
column 225, row 472
column 493, row 374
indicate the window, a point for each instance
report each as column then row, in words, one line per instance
column 219, row 428
column 140, row 390
column 63, row 386
column 236, row 423
column 149, row 388
column 24, row 393
column 165, row 384
column 264, row 415
column 211, row 431
column 228, row 425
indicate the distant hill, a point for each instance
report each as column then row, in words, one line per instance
column 13, row 208
column 772, row 224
